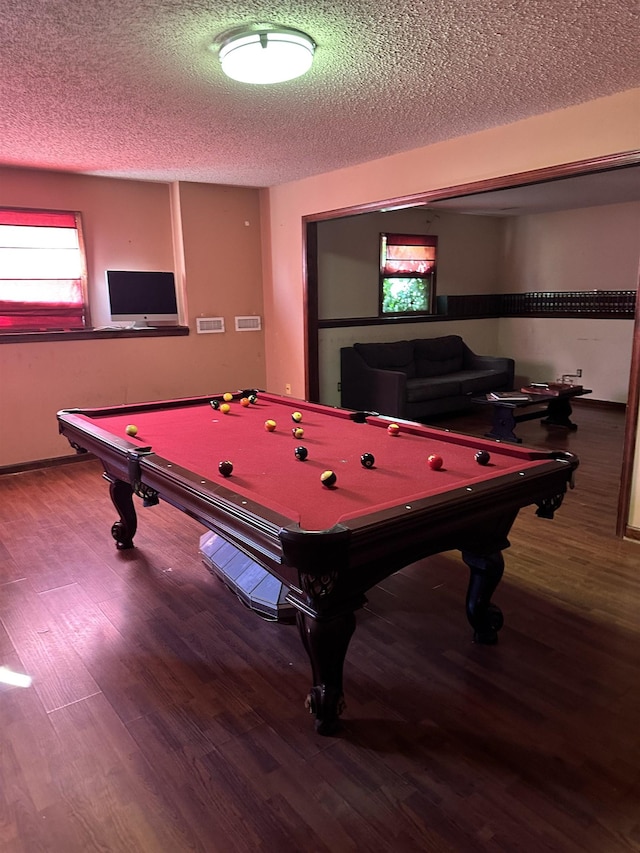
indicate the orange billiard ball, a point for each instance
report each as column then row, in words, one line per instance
column 435, row 462
column 245, row 401
column 269, row 425
column 393, row 429
column 225, row 408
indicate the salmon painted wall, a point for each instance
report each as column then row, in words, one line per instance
column 595, row 129
column 215, row 232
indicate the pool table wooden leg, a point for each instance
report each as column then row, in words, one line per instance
column 124, row 530
column 486, row 618
column 326, row 642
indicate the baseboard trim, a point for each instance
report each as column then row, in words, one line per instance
column 611, row 405
column 632, row 533
column 36, row 464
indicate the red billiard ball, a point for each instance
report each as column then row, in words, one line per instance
column 393, row 429
column 328, row 479
column 483, row 457
column 435, row 462
column 269, row 425
column 225, row 468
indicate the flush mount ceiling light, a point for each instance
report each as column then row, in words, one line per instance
column 265, row 54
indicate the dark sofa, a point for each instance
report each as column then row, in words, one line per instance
column 419, row 378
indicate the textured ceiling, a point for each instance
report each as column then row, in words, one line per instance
column 131, row 89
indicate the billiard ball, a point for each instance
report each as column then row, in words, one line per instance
column 227, row 397
column 435, row 462
column 269, row 425
column 215, row 404
column 225, row 468
column 483, row 457
column 297, row 432
column 131, row 429
column 253, row 398
column 244, row 401
column 393, row 429
column 301, row 453
column 328, row 478
column 297, row 417
column 225, row 408
column 367, row 460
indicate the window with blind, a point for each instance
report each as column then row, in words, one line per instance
column 407, row 274
column 42, row 271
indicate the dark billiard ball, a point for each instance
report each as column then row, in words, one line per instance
column 367, row 460
column 215, row 404
column 483, row 457
column 435, row 462
column 328, row 479
column 253, row 398
column 301, row 453
column 225, row 468
column 297, row 417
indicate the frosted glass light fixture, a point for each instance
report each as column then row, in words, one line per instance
column 265, row 54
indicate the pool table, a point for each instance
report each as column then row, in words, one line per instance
column 327, row 544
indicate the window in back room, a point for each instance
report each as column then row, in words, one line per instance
column 407, row 274
column 43, row 280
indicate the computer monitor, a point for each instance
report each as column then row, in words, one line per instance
column 142, row 298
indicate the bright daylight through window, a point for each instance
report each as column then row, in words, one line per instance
column 42, row 271
column 407, row 273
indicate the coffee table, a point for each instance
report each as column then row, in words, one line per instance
column 507, row 414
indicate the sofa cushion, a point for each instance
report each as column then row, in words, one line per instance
column 438, row 356
column 419, row 390
column 480, row 381
column 395, row 355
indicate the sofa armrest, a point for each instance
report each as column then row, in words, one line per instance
column 365, row 388
column 490, row 362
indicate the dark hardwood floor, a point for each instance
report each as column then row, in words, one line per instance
column 164, row 717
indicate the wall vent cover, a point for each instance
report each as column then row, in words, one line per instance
column 209, row 325
column 248, row 324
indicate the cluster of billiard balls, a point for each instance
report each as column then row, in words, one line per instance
column 225, row 408
column 327, row 478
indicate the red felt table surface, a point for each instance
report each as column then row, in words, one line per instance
column 265, row 469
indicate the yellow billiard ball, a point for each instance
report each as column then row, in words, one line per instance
column 297, row 417
column 131, row 429
column 227, row 397
column 393, row 429
column 269, row 425
column 297, row 432
column 225, row 408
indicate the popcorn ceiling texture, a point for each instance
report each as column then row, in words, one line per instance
column 132, row 89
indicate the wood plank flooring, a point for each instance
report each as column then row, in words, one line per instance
column 165, row 717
